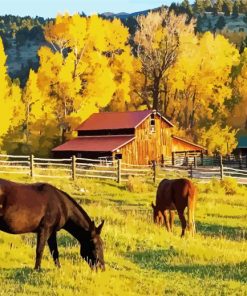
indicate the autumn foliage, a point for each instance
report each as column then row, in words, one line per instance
column 90, row 65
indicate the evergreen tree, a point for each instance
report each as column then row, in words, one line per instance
column 208, row 6
column 220, row 24
column 199, row 6
column 199, row 24
column 235, row 9
column 227, row 7
column 243, row 6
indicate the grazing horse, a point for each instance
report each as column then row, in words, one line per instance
column 43, row 209
column 174, row 195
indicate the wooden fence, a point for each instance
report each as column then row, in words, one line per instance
column 72, row 168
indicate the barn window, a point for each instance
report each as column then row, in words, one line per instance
column 152, row 124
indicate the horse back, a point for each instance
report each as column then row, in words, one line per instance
column 174, row 194
column 164, row 198
column 23, row 207
column 183, row 192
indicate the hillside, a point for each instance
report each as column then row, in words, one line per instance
column 23, row 36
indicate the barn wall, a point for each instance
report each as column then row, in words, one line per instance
column 178, row 146
column 149, row 146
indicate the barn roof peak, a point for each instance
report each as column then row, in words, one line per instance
column 117, row 120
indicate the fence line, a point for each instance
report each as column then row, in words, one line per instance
column 72, row 168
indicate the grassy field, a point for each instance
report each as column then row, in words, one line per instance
column 141, row 258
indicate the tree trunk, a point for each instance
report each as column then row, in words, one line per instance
column 156, row 86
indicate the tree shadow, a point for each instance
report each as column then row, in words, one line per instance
column 215, row 230
column 24, row 275
column 66, row 241
column 159, row 260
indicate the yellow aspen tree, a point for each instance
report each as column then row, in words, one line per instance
column 218, row 140
column 10, row 100
column 200, row 82
column 238, row 118
column 5, row 88
column 85, row 68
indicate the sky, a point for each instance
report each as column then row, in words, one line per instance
column 50, row 8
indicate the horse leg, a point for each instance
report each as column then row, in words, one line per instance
column 42, row 236
column 167, row 222
column 52, row 243
column 172, row 217
column 183, row 222
column 160, row 219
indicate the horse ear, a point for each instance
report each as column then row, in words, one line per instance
column 152, row 205
column 99, row 228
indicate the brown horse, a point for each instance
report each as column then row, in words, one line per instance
column 43, row 209
column 174, row 195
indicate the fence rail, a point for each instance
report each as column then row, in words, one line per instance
column 72, row 168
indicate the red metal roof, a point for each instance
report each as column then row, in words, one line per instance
column 95, row 143
column 116, row 120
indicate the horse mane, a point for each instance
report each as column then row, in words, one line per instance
column 84, row 213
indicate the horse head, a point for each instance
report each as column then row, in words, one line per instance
column 92, row 248
column 157, row 215
column 155, row 212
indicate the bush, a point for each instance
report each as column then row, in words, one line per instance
column 230, row 186
column 137, row 185
column 213, row 186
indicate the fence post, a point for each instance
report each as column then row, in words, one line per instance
column 202, row 159
column 195, row 162
column 31, row 166
column 119, row 171
column 173, row 158
column 191, row 171
column 187, row 161
column 154, row 170
column 73, row 167
column 221, row 168
column 240, row 162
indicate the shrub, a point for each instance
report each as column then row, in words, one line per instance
column 213, row 186
column 230, row 186
column 137, row 185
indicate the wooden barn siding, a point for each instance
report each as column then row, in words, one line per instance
column 148, row 146
column 178, row 145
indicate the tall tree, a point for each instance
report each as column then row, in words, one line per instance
column 158, row 39
column 199, row 6
column 218, row 139
column 235, row 9
column 238, row 117
column 227, row 7
column 5, row 105
column 10, row 98
column 89, row 66
column 200, row 82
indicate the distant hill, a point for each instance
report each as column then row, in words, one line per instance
column 124, row 15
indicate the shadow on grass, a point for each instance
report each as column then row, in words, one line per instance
column 158, row 260
column 66, row 241
column 24, row 275
column 215, row 230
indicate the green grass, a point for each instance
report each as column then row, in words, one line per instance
column 141, row 258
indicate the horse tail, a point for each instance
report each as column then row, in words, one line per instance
column 191, row 208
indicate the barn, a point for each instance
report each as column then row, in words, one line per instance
column 241, row 149
column 137, row 137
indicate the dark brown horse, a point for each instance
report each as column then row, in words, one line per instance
column 174, row 195
column 43, row 209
